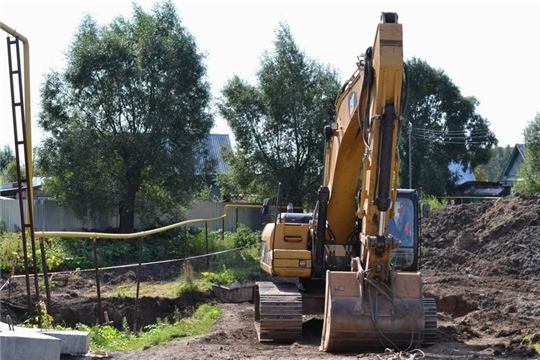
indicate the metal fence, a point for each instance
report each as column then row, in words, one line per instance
column 50, row 216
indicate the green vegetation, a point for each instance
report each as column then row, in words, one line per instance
column 41, row 319
column 446, row 127
column 10, row 251
column 71, row 254
column 155, row 289
column 224, row 277
column 145, row 157
column 533, row 340
column 108, row 338
column 278, row 122
column 435, row 202
column 529, row 170
column 492, row 170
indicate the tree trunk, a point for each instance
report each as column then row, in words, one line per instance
column 127, row 209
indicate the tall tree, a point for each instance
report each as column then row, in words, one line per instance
column 529, row 170
column 278, row 123
column 126, row 117
column 445, row 129
column 6, row 156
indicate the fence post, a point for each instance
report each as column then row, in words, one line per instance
column 222, row 231
column 94, row 241
column 185, row 243
column 236, row 220
column 45, row 274
column 206, row 237
column 138, row 284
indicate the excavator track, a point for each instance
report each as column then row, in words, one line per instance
column 430, row 321
column 278, row 312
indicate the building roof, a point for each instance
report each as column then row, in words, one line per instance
column 516, row 157
column 37, row 181
column 479, row 189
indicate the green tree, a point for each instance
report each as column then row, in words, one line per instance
column 480, row 174
column 127, row 117
column 497, row 161
column 445, row 129
column 278, row 123
column 6, row 156
column 11, row 171
column 529, row 170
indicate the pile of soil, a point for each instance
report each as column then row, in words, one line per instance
column 499, row 237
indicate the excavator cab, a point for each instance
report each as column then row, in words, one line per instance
column 405, row 227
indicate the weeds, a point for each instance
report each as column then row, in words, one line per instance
column 188, row 283
column 41, row 319
column 434, row 202
column 224, row 277
column 108, row 338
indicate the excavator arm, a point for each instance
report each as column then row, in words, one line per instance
column 362, row 143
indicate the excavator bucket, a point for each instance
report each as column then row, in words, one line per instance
column 363, row 314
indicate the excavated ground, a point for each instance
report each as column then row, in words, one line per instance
column 480, row 261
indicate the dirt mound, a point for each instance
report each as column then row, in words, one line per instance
column 492, row 238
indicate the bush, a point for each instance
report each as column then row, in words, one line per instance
column 244, row 237
column 224, row 277
column 435, row 203
column 11, row 251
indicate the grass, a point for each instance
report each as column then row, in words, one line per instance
column 234, row 268
column 107, row 338
column 151, row 289
column 533, row 340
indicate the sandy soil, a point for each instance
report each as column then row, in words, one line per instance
column 480, row 261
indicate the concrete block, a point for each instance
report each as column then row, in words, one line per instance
column 73, row 342
column 28, row 345
column 234, row 293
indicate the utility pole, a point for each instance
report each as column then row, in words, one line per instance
column 410, row 156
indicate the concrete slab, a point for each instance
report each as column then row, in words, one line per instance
column 26, row 343
column 73, row 342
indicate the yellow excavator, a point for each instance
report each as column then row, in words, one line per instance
column 353, row 259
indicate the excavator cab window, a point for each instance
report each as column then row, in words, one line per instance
column 403, row 227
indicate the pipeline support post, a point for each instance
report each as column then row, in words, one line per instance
column 138, row 285
column 185, row 243
column 206, row 237
column 45, row 273
column 94, row 241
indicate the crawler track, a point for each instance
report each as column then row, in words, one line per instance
column 430, row 321
column 278, row 312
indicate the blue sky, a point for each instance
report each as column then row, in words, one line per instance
column 490, row 49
